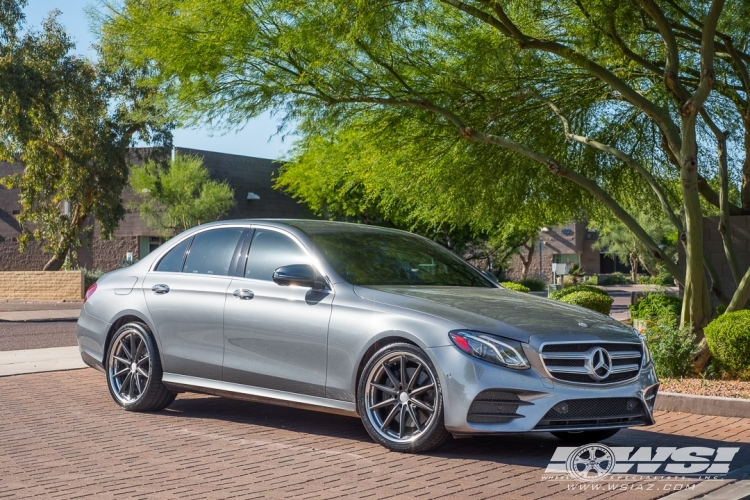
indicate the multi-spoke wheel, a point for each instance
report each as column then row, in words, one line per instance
column 400, row 401
column 134, row 370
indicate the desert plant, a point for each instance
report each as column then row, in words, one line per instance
column 576, row 273
column 729, row 341
column 656, row 305
column 515, row 286
column 533, row 284
column 559, row 294
column 671, row 347
column 590, row 300
column 615, row 279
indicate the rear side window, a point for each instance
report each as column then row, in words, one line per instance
column 212, row 251
column 269, row 251
column 172, row 262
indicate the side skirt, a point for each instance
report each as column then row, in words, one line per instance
column 258, row 395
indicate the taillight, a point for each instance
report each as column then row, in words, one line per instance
column 89, row 292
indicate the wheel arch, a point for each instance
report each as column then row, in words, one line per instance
column 375, row 346
column 126, row 318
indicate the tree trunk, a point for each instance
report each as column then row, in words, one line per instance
column 634, row 267
column 650, row 270
column 696, row 306
column 526, row 263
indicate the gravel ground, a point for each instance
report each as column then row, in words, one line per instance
column 701, row 387
column 36, row 334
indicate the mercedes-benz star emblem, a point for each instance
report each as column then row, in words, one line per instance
column 598, row 363
column 583, row 325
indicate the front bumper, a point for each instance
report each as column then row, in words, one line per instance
column 463, row 378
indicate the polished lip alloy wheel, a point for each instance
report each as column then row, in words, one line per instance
column 129, row 367
column 401, row 397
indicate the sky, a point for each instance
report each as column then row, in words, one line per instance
column 255, row 139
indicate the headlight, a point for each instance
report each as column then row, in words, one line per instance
column 490, row 348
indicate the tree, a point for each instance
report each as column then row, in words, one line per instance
column 70, row 123
column 606, row 100
column 179, row 197
column 616, row 241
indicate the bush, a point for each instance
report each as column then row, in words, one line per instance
column 533, row 284
column 515, row 286
column 662, row 279
column 573, row 289
column 590, row 300
column 728, row 338
column 671, row 348
column 656, row 305
column 90, row 276
column 615, row 279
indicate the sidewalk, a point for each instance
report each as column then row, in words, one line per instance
column 40, row 360
column 43, row 315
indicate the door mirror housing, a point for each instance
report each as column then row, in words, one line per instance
column 299, row 275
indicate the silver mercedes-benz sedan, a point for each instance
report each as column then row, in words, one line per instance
column 362, row 321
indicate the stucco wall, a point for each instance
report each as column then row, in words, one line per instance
column 41, row 285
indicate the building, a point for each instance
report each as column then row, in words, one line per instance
column 569, row 244
column 252, row 181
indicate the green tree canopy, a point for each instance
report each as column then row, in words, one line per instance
column 70, row 123
column 605, row 104
column 180, row 196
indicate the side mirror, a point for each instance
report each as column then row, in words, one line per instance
column 298, row 275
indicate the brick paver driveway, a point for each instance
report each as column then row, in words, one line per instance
column 61, row 436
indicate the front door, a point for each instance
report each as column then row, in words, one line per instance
column 275, row 336
column 185, row 294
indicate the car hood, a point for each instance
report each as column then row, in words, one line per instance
column 515, row 315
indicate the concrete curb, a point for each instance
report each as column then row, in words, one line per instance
column 51, row 359
column 703, row 405
column 45, row 315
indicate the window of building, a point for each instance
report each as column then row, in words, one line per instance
column 566, row 258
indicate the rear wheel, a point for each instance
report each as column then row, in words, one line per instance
column 134, row 370
column 400, row 400
column 583, row 437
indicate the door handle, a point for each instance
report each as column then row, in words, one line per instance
column 243, row 294
column 160, row 289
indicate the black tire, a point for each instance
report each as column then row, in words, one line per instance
column 141, row 392
column 427, row 428
column 585, row 437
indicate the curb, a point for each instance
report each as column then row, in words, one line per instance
column 703, row 405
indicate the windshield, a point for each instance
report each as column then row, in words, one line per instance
column 366, row 255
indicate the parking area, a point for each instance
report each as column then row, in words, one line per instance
column 63, row 437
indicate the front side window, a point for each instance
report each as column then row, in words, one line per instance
column 172, row 262
column 212, row 251
column 269, row 251
column 382, row 257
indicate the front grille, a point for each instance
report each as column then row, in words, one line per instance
column 568, row 361
column 494, row 407
column 600, row 412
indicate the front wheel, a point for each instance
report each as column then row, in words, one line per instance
column 134, row 370
column 400, row 400
column 584, row 437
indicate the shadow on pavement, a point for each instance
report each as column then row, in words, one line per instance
column 528, row 449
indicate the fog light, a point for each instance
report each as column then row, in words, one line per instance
column 563, row 408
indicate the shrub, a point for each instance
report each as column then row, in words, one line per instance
column 590, row 300
column 573, row 289
column 662, row 279
column 515, row 286
column 671, row 348
column 656, row 305
column 90, row 276
column 728, row 338
column 533, row 284
column 615, row 279
column 593, row 280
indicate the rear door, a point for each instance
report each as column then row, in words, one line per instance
column 185, row 294
column 276, row 336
